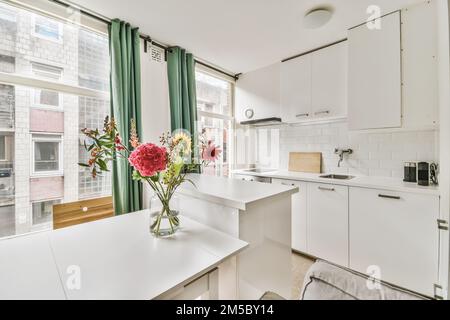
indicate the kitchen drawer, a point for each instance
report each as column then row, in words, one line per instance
column 327, row 221
column 299, row 223
column 395, row 233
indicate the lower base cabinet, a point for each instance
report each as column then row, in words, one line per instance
column 395, row 235
column 327, row 217
column 299, row 222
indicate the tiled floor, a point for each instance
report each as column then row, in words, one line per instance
column 300, row 265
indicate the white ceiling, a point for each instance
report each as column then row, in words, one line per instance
column 239, row 35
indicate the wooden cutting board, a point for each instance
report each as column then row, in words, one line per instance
column 310, row 162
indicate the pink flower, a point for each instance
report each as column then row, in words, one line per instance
column 211, row 152
column 149, row 159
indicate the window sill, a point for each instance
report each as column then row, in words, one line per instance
column 46, row 175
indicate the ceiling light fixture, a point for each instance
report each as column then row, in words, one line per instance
column 317, row 17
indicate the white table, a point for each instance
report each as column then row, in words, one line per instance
column 115, row 258
column 28, row 270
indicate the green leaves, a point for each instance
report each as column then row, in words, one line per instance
column 103, row 147
column 83, row 165
column 102, row 164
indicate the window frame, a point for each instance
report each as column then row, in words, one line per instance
column 52, row 138
column 44, row 37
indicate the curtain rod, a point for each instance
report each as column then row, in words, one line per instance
column 142, row 36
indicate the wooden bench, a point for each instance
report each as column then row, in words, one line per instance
column 69, row 214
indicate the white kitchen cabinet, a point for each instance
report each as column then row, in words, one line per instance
column 398, row 234
column 374, row 78
column 296, row 89
column 260, row 91
column 329, row 81
column 419, row 60
column 327, row 220
column 299, row 223
column 314, row 86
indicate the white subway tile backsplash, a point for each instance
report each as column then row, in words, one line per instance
column 375, row 154
column 380, row 155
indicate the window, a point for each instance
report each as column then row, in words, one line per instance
column 47, row 28
column 46, row 98
column 47, row 154
column 7, row 102
column 43, row 211
column 58, row 87
column 215, row 109
column 2, row 148
column 7, row 63
column 46, row 71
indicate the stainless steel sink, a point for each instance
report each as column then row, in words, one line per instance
column 260, row 170
column 337, row 177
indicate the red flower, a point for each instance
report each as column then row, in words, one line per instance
column 149, row 159
column 211, row 153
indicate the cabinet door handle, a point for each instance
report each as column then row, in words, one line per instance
column 302, row 115
column 326, row 189
column 288, row 184
column 322, row 112
column 389, row 197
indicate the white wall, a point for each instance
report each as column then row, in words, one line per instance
column 155, row 102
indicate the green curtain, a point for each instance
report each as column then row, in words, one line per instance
column 182, row 92
column 125, row 105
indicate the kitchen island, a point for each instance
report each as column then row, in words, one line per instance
column 257, row 213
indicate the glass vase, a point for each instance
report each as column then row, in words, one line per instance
column 164, row 217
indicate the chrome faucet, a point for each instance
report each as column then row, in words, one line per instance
column 340, row 153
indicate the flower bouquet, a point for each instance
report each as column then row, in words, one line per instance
column 164, row 168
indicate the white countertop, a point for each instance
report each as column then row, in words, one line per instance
column 231, row 192
column 118, row 259
column 391, row 184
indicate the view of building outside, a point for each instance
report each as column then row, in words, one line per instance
column 215, row 113
column 40, row 140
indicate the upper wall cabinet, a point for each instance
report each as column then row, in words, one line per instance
column 296, row 89
column 374, row 86
column 259, row 91
column 329, row 81
column 419, row 59
column 314, row 86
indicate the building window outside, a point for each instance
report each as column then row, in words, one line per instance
column 2, row 148
column 47, row 155
column 48, row 29
column 7, row 65
column 43, row 211
column 216, row 122
column 46, row 98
